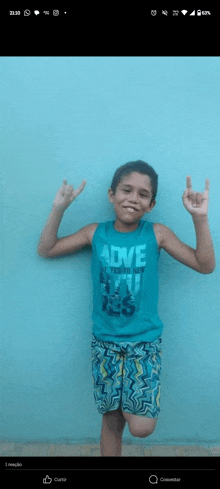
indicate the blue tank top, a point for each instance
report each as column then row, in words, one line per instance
column 125, row 284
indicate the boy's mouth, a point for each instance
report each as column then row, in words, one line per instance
column 130, row 209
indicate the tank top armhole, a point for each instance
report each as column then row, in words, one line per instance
column 99, row 226
column 155, row 238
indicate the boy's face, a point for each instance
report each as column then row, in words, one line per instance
column 132, row 199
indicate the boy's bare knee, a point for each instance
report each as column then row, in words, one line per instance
column 140, row 431
column 140, row 426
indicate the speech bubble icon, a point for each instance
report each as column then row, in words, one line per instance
column 36, row 12
column 153, row 479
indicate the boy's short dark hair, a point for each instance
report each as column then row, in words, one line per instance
column 140, row 167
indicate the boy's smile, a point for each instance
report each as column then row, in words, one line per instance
column 131, row 201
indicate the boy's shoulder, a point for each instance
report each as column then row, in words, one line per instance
column 159, row 230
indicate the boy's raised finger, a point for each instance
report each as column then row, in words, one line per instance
column 188, row 182
column 207, row 185
column 81, row 187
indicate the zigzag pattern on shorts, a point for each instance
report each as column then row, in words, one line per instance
column 107, row 369
column 127, row 376
column 141, row 387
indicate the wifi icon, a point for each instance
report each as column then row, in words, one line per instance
column 184, row 12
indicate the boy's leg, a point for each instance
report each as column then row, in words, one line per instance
column 113, row 424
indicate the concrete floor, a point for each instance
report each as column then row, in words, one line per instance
column 10, row 449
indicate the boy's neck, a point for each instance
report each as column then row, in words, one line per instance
column 122, row 227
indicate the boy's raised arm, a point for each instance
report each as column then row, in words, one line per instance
column 48, row 240
column 201, row 259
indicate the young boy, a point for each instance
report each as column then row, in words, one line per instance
column 126, row 340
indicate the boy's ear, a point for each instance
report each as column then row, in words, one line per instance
column 110, row 195
column 152, row 205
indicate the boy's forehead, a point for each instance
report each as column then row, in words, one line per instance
column 137, row 179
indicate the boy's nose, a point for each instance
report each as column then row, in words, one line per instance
column 133, row 198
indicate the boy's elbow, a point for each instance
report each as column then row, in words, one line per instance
column 42, row 254
column 211, row 270
column 207, row 270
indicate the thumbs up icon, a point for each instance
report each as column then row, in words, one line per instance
column 47, row 480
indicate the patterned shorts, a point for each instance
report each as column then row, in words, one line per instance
column 127, row 376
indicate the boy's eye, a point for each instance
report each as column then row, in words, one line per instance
column 126, row 190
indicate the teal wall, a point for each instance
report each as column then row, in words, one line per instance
column 82, row 117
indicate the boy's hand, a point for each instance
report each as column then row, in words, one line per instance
column 194, row 202
column 66, row 195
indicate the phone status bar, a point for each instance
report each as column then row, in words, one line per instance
column 152, row 13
